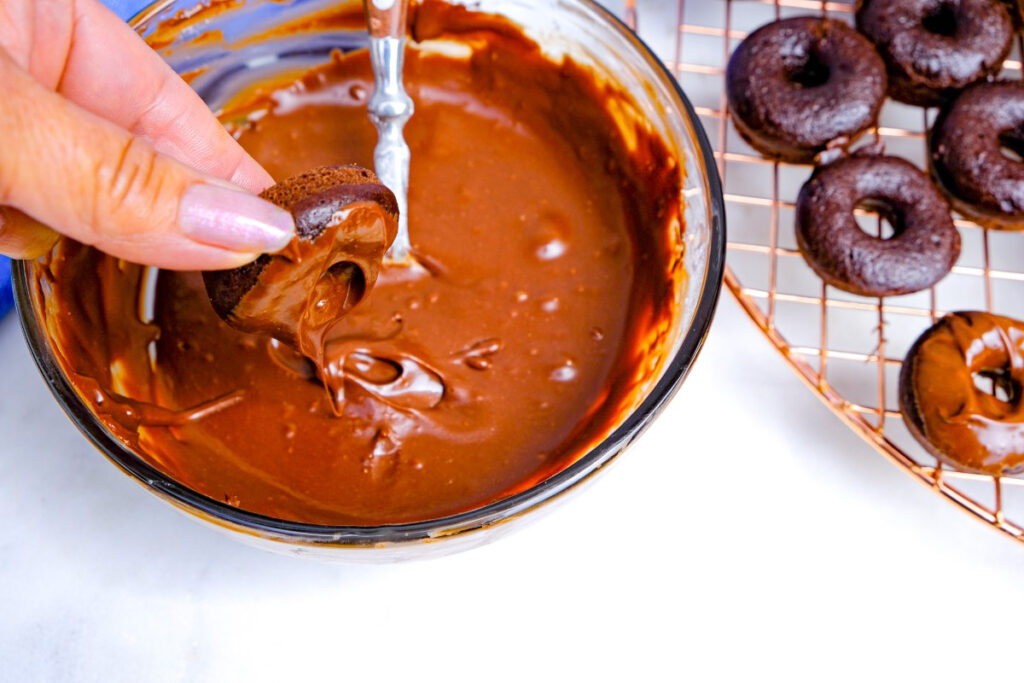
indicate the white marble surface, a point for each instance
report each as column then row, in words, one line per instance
column 747, row 536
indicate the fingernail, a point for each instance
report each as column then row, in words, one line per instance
column 232, row 219
column 22, row 236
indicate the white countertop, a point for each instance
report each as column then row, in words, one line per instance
column 748, row 535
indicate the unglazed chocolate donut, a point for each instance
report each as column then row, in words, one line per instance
column 923, row 248
column 797, row 85
column 934, row 48
column 960, row 424
column 967, row 155
column 345, row 219
column 1016, row 10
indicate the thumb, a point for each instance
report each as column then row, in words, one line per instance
column 98, row 184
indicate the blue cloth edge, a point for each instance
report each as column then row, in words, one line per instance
column 6, row 287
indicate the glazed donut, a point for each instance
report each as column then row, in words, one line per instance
column 967, row 156
column 797, row 85
column 958, row 423
column 345, row 220
column 922, row 250
column 935, row 48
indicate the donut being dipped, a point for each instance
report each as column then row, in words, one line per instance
column 969, row 428
column 935, row 48
column 345, row 220
column 800, row 85
column 968, row 162
column 922, row 250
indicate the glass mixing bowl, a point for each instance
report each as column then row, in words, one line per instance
column 247, row 49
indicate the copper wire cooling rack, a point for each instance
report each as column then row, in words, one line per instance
column 847, row 349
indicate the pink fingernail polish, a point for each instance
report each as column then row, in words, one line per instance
column 232, row 219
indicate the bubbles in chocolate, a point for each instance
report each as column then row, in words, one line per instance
column 566, row 372
column 550, row 304
column 551, row 249
column 479, row 355
column 551, row 236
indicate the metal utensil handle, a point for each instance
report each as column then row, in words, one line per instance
column 390, row 108
column 386, row 18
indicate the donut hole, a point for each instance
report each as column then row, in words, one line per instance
column 877, row 218
column 941, row 19
column 1011, row 144
column 997, row 383
column 338, row 290
column 806, row 67
column 811, row 72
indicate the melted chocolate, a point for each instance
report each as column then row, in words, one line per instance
column 973, row 429
column 551, row 232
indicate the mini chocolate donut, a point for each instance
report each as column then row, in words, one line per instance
column 345, row 220
column 923, row 248
column 797, row 85
column 1016, row 10
column 967, row 153
column 960, row 424
column 935, row 48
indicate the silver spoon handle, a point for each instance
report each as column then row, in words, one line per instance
column 386, row 18
column 390, row 108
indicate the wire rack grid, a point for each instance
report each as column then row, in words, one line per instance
column 847, row 349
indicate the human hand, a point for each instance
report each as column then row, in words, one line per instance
column 104, row 143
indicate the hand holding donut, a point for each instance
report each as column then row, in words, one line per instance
column 105, row 144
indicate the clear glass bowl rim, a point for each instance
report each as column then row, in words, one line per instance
column 497, row 512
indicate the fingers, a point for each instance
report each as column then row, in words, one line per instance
column 86, row 53
column 104, row 187
column 115, row 75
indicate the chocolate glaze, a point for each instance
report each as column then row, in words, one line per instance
column 972, row 429
column 797, row 85
column 923, row 248
column 551, row 230
column 967, row 156
column 934, row 48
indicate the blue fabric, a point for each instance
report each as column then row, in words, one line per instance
column 125, row 8
column 6, row 293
